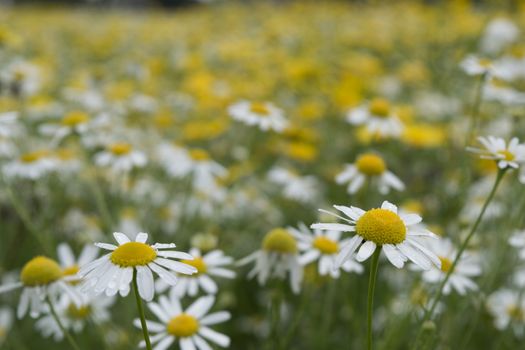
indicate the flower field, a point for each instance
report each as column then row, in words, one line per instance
column 252, row 175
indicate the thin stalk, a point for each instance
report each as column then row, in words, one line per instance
column 476, row 107
column 276, row 319
column 141, row 311
column 430, row 311
column 60, row 325
column 371, row 288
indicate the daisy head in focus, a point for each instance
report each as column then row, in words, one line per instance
column 369, row 167
column 264, row 115
column 507, row 155
column 190, row 327
column 396, row 234
column 508, row 309
column 120, row 157
column 209, row 266
column 323, row 247
column 41, row 280
column 378, row 117
column 460, row 279
column 277, row 258
column 113, row 272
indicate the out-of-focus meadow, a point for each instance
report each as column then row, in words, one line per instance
column 155, row 121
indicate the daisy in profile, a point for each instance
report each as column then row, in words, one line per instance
column 33, row 165
column 190, row 327
column 371, row 167
column 41, row 281
column 113, row 272
column 75, row 317
column 73, row 122
column 6, row 321
column 323, row 247
column 277, row 257
column 509, row 155
column 211, row 264
column 71, row 265
column 120, row 157
column 396, row 234
column 473, row 65
column 461, row 278
column 378, row 117
column 508, row 308
column 261, row 114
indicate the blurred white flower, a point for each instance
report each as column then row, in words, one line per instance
column 508, row 308
column 499, row 33
column 261, row 114
column 378, row 117
column 120, row 158
column 299, row 188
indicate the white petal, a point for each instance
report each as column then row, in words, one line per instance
column 348, row 250
column 335, row 227
column 145, row 283
column 167, row 276
column 142, row 237
column 394, row 256
column 389, row 206
column 121, row 238
column 214, row 318
column 201, row 306
column 176, row 266
column 216, row 337
column 366, row 250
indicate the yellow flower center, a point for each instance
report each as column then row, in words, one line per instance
column 381, row 226
column 40, row 271
column 183, row 326
column 78, row 313
column 281, row 241
column 133, row 254
column 197, row 263
column 32, row 156
column 507, row 155
column 325, row 245
column 446, row 264
column 75, row 118
column 370, row 164
column 515, row 313
column 484, row 62
column 19, row 75
column 120, row 148
column 379, row 107
column 259, row 108
column 71, row 271
column 199, row 154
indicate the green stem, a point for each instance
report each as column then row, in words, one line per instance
column 141, row 311
column 476, row 107
column 430, row 311
column 276, row 319
column 60, row 325
column 371, row 288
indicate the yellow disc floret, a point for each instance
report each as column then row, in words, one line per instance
column 183, row 326
column 370, row 164
column 507, row 155
column 446, row 264
column 325, row 245
column 199, row 154
column 197, row 263
column 120, row 148
column 279, row 240
column 259, row 108
column 133, row 254
column 381, row 226
column 33, row 156
column 40, row 271
column 78, row 313
column 75, row 118
column 379, row 107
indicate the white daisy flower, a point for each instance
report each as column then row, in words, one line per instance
column 6, row 322
column 499, row 33
column 323, row 247
column 41, row 278
column 299, row 188
column 22, row 78
column 473, row 65
column 500, row 91
column 9, row 124
column 263, row 115
column 509, row 155
column 121, row 158
column 460, row 279
column 383, row 228
column 278, row 256
column 507, row 307
column 75, row 317
column 32, row 166
column 72, row 122
column 71, row 265
column 378, row 117
column 369, row 166
column 191, row 327
column 208, row 265
column 114, row 272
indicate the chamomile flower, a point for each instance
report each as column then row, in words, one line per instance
column 191, row 327
column 208, row 265
column 372, row 167
column 461, row 278
column 69, row 264
column 295, row 187
column 378, row 117
column 6, row 321
column 509, row 155
column 517, row 240
column 9, row 124
column 264, row 115
column 75, row 317
column 473, row 65
column 278, row 256
column 120, row 157
column 383, row 228
column 33, row 165
column 40, row 278
column 507, row 307
column 323, row 247
column 499, row 33
column 113, row 272
column 23, row 78
column 72, row 122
